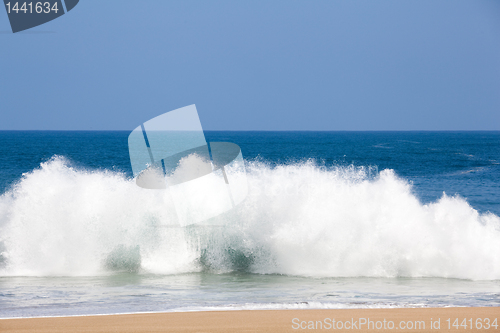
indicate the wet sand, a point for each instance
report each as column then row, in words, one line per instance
column 359, row 320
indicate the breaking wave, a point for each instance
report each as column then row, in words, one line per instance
column 298, row 219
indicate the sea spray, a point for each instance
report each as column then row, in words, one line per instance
column 298, row 219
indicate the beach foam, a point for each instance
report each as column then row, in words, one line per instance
column 298, row 219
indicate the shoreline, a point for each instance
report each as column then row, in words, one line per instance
column 436, row 319
column 229, row 309
column 224, row 309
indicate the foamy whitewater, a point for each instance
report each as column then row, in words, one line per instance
column 298, row 219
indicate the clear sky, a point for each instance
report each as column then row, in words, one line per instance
column 257, row 65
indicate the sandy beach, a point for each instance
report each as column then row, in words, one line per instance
column 362, row 320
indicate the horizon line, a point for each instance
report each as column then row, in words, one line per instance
column 254, row 130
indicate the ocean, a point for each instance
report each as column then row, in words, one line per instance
column 332, row 220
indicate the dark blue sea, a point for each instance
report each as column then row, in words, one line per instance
column 331, row 220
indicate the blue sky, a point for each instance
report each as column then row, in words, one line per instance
column 257, row 65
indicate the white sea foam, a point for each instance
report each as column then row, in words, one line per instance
column 298, row 219
column 298, row 306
